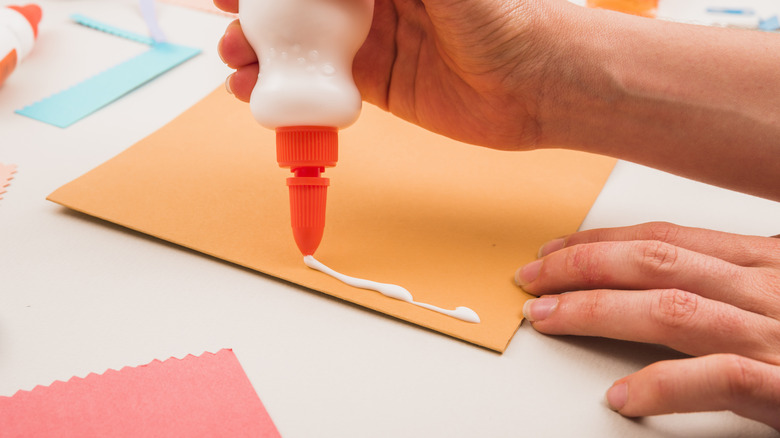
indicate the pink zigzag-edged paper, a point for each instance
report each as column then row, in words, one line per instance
column 6, row 175
column 209, row 396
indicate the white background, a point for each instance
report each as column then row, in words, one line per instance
column 78, row 295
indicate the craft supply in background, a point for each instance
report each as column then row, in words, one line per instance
column 18, row 31
column 69, row 106
column 7, row 172
column 150, row 17
column 735, row 17
column 731, row 11
column 770, row 24
column 453, row 233
column 644, row 8
column 209, row 395
column 202, row 5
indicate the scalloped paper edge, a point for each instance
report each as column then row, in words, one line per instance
column 111, row 371
column 111, row 30
column 206, row 395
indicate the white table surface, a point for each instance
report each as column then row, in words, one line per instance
column 78, row 295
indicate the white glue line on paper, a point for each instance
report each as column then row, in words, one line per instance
column 391, row 290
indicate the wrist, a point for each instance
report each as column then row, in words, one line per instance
column 579, row 94
column 690, row 100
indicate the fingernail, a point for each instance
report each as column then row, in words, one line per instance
column 617, row 396
column 528, row 273
column 538, row 309
column 219, row 50
column 227, row 84
column 551, row 246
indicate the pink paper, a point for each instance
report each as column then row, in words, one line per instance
column 207, row 396
column 6, row 175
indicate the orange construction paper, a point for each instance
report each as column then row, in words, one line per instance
column 450, row 222
column 209, row 395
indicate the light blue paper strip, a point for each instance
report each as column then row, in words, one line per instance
column 113, row 30
column 69, row 106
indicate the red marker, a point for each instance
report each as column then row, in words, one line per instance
column 18, row 30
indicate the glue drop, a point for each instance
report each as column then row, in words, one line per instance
column 305, row 91
column 18, row 30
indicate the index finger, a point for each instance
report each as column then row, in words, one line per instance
column 749, row 251
column 227, row 5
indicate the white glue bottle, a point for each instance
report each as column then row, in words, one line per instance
column 305, row 91
column 18, row 30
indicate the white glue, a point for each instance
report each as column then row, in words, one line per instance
column 391, row 290
column 305, row 49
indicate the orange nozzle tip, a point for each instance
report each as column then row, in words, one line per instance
column 308, row 239
column 32, row 13
column 308, row 197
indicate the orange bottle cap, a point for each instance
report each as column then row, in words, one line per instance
column 307, row 150
column 307, row 146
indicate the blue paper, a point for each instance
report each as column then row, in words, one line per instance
column 67, row 107
column 112, row 30
column 733, row 11
column 770, row 24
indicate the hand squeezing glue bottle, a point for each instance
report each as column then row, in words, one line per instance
column 18, row 30
column 305, row 92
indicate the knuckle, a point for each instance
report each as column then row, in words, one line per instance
column 657, row 258
column 743, row 378
column 659, row 231
column 675, row 308
column 767, row 284
column 666, row 385
column 593, row 305
column 582, row 263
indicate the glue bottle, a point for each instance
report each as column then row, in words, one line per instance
column 305, row 92
column 18, row 31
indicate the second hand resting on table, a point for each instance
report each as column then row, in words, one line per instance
column 690, row 100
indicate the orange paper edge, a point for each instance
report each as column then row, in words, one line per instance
column 448, row 221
